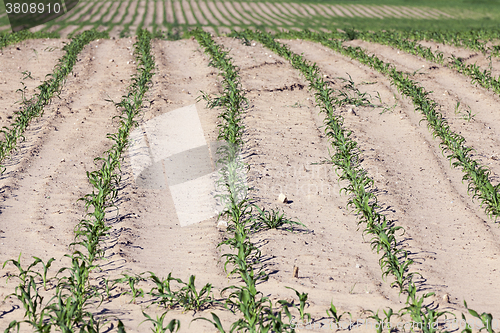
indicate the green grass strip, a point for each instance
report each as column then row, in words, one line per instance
column 35, row 106
column 7, row 38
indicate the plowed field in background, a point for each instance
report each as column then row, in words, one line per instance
column 125, row 17
column 455, row 246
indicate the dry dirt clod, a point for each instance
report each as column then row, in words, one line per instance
column 282, row 198
column 295, row 272
column 222, row 225
column 446, row 298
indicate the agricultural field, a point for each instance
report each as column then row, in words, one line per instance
column 187, row 167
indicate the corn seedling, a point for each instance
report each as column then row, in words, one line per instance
column 302, row 304
column 173, row 326
column 332, row 312
column 132, row 282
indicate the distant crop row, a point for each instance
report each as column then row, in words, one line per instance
column 480, row 76
column 125, row 17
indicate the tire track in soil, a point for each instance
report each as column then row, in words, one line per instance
column 449, row 87
column 445, row 231
column 41, row 187
column 39, row 57
column 283, row 140
column 148, row 236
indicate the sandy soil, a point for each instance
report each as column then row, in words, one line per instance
column 448, row 235
column 323, row 10
column 248, row 15
column 68, row 30
column 37, row 57
column 392, row 11
column 289, row 8
column 95, row 10
column 422, row 13
column 130, row 12
column 358, row 11
column 268, row 13
column 79, row 13
column 344, row 10
column 278, row 12
column 141, row 9
column 72, row 14
column 370, row 11
column 336, row 10
column 378, row 10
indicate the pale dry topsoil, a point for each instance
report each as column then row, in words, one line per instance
column 452, row 241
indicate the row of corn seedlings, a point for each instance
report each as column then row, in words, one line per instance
column 34, row 107
column 475, row 39
column 347, row 159
column 68, row 310
column 259, row 314
column 452, row 143
column 16, row 37
column 478, row 76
